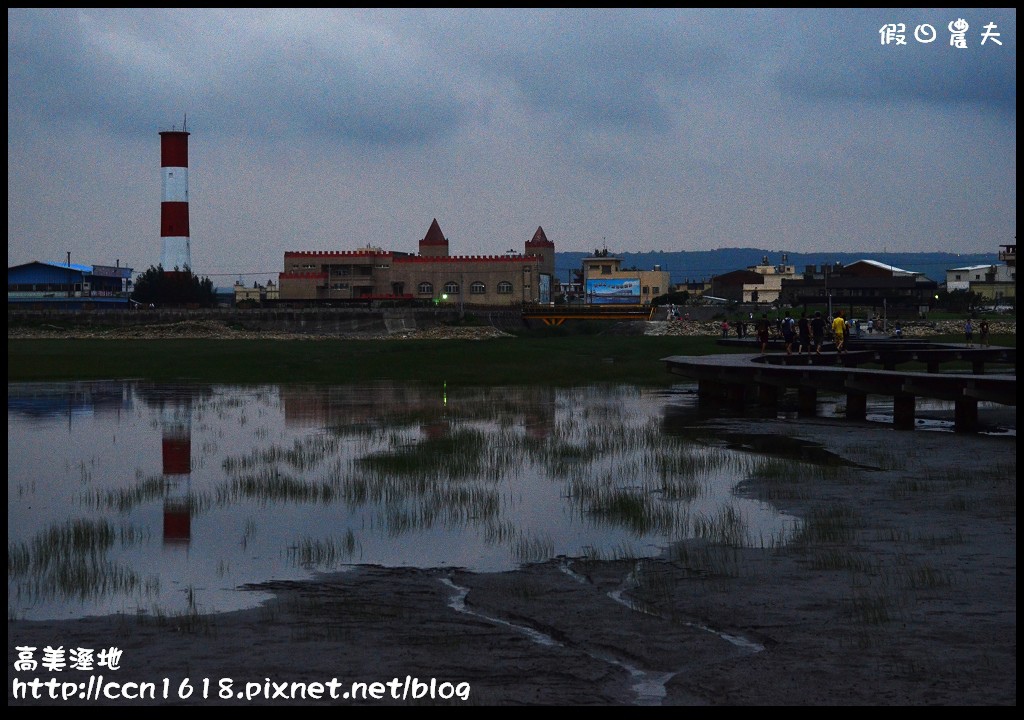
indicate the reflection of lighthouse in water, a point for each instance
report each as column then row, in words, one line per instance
column 176, row 427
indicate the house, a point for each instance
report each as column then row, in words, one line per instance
column 997, row 284
column 255, row 295
column 756, row 284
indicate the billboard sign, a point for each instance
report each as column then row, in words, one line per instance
column 607, row 291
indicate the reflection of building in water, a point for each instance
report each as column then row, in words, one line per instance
column 59, row 399
column 354, row 405
column 433, row 409
column 437, row 427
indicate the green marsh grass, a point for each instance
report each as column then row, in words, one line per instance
column 567, row 361
column 834, row 523
column 873, row 608
column 725, row 527
column 621, row 551
column 271, row 486
column 532, row 549
column 954, row 537
column 706, row 560
column 325, row 554
column 124, row 499
column 837, row 559
column 70, row 561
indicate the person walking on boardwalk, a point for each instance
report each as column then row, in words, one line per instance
column 804, row 335
column 839, row 332
column 969, row 333
column 818, row 331
column 983, row 333
column 763, row 327
column 788, row 328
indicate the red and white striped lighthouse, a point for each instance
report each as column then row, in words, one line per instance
column 175, row 255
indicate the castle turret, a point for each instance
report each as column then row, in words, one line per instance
column 434, row 243
column 544, row 248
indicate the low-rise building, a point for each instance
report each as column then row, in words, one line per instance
column 69, row 285
column 431, row 276
column 604, row 281
column 756, row 284
column 864, row 283
column 996, row 283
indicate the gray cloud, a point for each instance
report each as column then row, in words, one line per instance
column 838, row 55
column 110, row 69
column 648, row 128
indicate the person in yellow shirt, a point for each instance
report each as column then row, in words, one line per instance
column 839, row 332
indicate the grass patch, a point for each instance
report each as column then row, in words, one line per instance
column 831, row 524
column 566, row 361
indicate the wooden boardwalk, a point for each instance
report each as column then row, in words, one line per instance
column 740, row 378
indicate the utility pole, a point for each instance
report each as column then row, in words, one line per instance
column 70, row 276
column 462, row 296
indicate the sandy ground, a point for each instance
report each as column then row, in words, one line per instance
column 902, row 591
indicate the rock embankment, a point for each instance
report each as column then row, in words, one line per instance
column 214, row 330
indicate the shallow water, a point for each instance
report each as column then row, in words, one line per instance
column 127, row 497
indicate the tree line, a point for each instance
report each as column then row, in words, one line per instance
column 173, row 288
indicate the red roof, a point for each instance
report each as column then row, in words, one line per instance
column 540, row 239
column 434, row 235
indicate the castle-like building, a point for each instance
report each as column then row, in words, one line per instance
column 432, row 275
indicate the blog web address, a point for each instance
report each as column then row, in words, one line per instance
column 99, row 687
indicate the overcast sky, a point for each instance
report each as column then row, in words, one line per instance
column 635, row 130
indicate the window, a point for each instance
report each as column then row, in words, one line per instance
column 451, row 288
column 425, row 288
column 606, row 269
column 504, row 288
column 656, row 290
column 477, row 288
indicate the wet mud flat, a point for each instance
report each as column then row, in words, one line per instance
column 900, row 590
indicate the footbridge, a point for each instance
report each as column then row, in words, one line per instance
column 558, row 314
column 740, row 378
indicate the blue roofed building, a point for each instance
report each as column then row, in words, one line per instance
column 68, row 286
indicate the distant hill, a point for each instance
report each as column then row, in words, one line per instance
column 704, row 264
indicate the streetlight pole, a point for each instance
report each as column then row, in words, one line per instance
column 828, row 271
